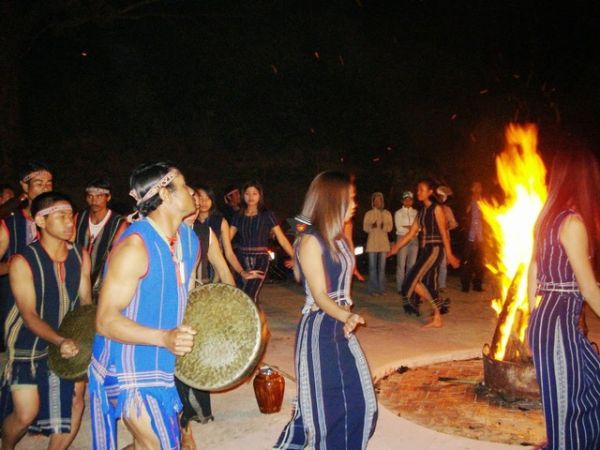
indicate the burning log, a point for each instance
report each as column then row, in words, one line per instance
column 506, row 344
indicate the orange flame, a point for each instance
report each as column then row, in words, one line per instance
column 522, row 176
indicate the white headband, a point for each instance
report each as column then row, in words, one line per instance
column 34, row 174
column 97, row 191
column 163, row 182
column 52, row 209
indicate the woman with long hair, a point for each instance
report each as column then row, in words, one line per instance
column 562, row 274
column 255, row 223
column 433, row 240
column 336, row 406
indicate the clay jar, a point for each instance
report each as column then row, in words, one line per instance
column 269, row 386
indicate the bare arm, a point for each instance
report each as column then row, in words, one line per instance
column 228, row 248
column 215, row 257
column 128, row 263
column 574, row 238
column 414, row 229
column 532, row 284
column 85, row 283
column 232, row 232
column 22, row 286
column 283, row 241
column 311, row 259
column 441, row 220
column 4, row 241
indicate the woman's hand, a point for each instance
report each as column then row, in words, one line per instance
column 351, row 323
column 289, row 263
column 252, row 274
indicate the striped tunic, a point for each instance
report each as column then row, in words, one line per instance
column 567, row 366
column 100, row 246
column 431, row 255
column 336, row 407
column 56, row 293
column 21, row 231
column 124, row 375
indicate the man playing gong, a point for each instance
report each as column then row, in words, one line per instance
column 48, row 279
column 140, row 310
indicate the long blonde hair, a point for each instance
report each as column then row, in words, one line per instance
column 325, row 205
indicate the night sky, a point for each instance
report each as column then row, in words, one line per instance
column 279, row 90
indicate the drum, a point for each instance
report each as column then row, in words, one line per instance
column 79, row 325
column 231, row 334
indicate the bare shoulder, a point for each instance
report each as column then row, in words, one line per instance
column 572, row 226
column 19, row 266
column 130, row 254
column 309, row 246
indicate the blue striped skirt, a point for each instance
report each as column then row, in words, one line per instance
column 568, row 372
column 336, row 407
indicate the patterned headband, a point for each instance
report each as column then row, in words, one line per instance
column 97, row 191
column 52, row 209
column 163, row 182
column 32, row 175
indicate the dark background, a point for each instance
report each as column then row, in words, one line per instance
column 280, row 90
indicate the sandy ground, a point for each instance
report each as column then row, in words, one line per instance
column 389, row 340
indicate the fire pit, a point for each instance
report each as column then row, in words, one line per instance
column 512, row 381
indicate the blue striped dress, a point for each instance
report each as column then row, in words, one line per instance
column 336, row 407
column 567, row 366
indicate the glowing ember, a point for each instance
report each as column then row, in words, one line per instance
column 522, row 176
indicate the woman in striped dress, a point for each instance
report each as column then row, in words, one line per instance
column 336, row 406
column 253, row 226
column 433, row 240
column 561, row 273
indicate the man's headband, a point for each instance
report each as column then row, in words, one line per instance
column 54, row 208
column 97, row 191
column 32, row 175
column 163, row 182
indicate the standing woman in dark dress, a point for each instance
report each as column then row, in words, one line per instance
column 433, row 240
column 253, row 225
column 336, row 405
column 561, row 273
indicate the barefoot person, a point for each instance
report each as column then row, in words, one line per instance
column 140, row 309
column 433, row 240
column 561, row 272
column 48, row 279
column 97, row 227
column 336, row 405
